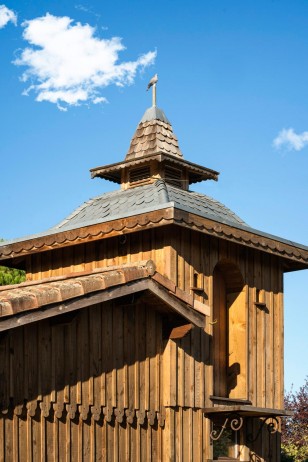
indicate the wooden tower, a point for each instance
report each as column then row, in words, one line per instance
column 150, row 327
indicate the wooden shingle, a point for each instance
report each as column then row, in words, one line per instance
column 153, row 137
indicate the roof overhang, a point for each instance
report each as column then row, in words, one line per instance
column 196, row 172
column 234, row 415
column 295, row 256
column 246, row 411
column 31, row 302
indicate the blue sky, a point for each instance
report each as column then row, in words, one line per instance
column 232, row 80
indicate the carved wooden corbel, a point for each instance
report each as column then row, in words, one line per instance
column 130, row 415
column 161, row 417
column 84, row 411
column 58, row 408
column 45, row 408
column 71, row 410
column 31, row 408
column 19, row 409
column 151, row 417
column 140, row 417
column 96, row 412
column 119, row 414
column 108, row 411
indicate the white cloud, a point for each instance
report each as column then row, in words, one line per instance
column 291, row 140
column 6, row 16
column 68, row 65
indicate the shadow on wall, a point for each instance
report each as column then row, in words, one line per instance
column 110, row 344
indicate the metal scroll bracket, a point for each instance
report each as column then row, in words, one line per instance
column 233, row 421
column 272, row 428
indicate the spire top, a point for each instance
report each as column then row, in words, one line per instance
column 152, row 83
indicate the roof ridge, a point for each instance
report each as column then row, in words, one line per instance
column 218, row 204
column 161, row 186
column 223, row 206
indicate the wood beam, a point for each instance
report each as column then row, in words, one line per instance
column 112, row 293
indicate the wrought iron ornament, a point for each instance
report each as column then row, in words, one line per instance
column 234, row 421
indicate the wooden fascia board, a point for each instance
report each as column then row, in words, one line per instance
column 157, row 218
column 188, row 312
column 85, row 301
column 69, row 306
column 185, row 297
column 89, row 233
column 242, row 237
column 108, row 170
column 246, row 410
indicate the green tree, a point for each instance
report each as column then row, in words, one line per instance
column 295, row 429
column 11, row 275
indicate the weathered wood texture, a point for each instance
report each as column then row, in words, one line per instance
column 99, row 382
column 110, row 381
column 108, row 355
column 187, row 257
column 27, row 438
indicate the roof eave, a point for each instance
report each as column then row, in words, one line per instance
column 295, row 256
column 112, row 172
column 31, row 302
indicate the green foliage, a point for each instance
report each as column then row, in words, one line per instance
column 222, row 445
column 295, row 429
column 10, row 275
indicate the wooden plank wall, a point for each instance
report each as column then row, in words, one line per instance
column 98, row 386
column 26, row 438
column 185, row 257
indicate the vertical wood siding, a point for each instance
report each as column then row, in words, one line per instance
column 113, row 357
column 106, row 385
column 96, row 387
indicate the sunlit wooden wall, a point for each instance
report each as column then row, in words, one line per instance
column 99, row 384
column 106, row 385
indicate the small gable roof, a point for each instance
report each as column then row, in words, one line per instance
column 32, row 301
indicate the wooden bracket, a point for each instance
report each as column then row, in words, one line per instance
column 18, row 410
column 58, row 408
column 31, row 407
column 108, row 412
column 45, row 408
column 96, row 412
column 151, row 417
column 84, row 411
column 161, row 416
column 180, row 331
column 119, row 414
column 71, row 410
column 140, row 417
column 130, row 415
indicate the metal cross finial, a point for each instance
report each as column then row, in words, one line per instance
column 152, row 83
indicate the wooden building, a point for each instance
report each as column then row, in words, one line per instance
column 150, row 327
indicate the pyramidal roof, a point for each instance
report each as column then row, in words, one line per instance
column 154, row 135
column 154, row 140
column 160, row 190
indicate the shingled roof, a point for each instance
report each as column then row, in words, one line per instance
column 156, row 202
column 154, row 140
column 159, row 195
column 34, row 300
column 125, row 203
column 154, row 135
